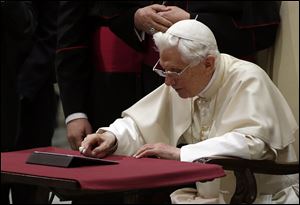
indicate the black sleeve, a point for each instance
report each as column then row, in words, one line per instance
column 123, row 27
column 119, row 17
column 38, row 68
column 73, row 54
column 230, row 39
column 240, row 28
column 20, row 17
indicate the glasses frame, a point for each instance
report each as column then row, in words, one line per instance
column 171, row 74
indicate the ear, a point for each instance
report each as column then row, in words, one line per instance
column 210, row 62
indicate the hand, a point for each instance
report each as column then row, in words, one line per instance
column 99, row 145
column 76, row 131
column 147, row 17
column 174, row 14
column 159, row 150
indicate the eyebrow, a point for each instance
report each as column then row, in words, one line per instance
column 171, row 66
column 174, row 68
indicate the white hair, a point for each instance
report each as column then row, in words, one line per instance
column 192, row 51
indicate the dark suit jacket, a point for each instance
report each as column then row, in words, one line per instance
column 38, row 67
column 28, row 42
column 17, row 25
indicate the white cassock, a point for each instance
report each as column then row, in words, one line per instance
column 240, row 113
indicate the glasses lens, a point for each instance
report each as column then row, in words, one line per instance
column 160, row 72
column 169, row 74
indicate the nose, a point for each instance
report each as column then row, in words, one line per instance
column 169, row 81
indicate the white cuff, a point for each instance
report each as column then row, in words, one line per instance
column 75, row 116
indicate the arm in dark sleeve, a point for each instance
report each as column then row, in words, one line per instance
column 240, row 28
column 123, row 27
column 230, row 39
column 73, row 62
column 119, row 16
column 38, row 68
column 20, row 17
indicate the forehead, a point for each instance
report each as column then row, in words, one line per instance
column 171, row 57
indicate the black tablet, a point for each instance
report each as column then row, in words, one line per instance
column 65, row 160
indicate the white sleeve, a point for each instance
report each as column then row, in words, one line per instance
column 232, row 144
column 259, row 150
column 128, row 135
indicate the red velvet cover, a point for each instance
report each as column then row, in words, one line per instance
column 129, row 174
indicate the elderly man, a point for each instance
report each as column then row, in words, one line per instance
column 211, row 104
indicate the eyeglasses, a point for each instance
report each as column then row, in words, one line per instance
column 171, row 74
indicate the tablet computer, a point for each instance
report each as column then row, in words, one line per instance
column 65, row 160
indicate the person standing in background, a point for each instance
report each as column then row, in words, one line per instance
column 95, row 68
column 14, row 32
column 29, row 101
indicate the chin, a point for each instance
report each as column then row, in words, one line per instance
column 182, row 94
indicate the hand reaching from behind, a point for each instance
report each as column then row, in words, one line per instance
column 159, row 150
column 147, row 17
column 174, row 14
column 76, row 131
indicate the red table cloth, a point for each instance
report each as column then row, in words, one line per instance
column 129, row 174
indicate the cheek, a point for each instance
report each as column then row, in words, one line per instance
column 192, row 86
column 185, row 88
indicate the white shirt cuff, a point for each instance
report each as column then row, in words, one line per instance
column 75, row 116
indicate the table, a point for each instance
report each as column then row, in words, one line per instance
column 129, row 175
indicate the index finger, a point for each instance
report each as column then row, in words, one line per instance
column 88, row 144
